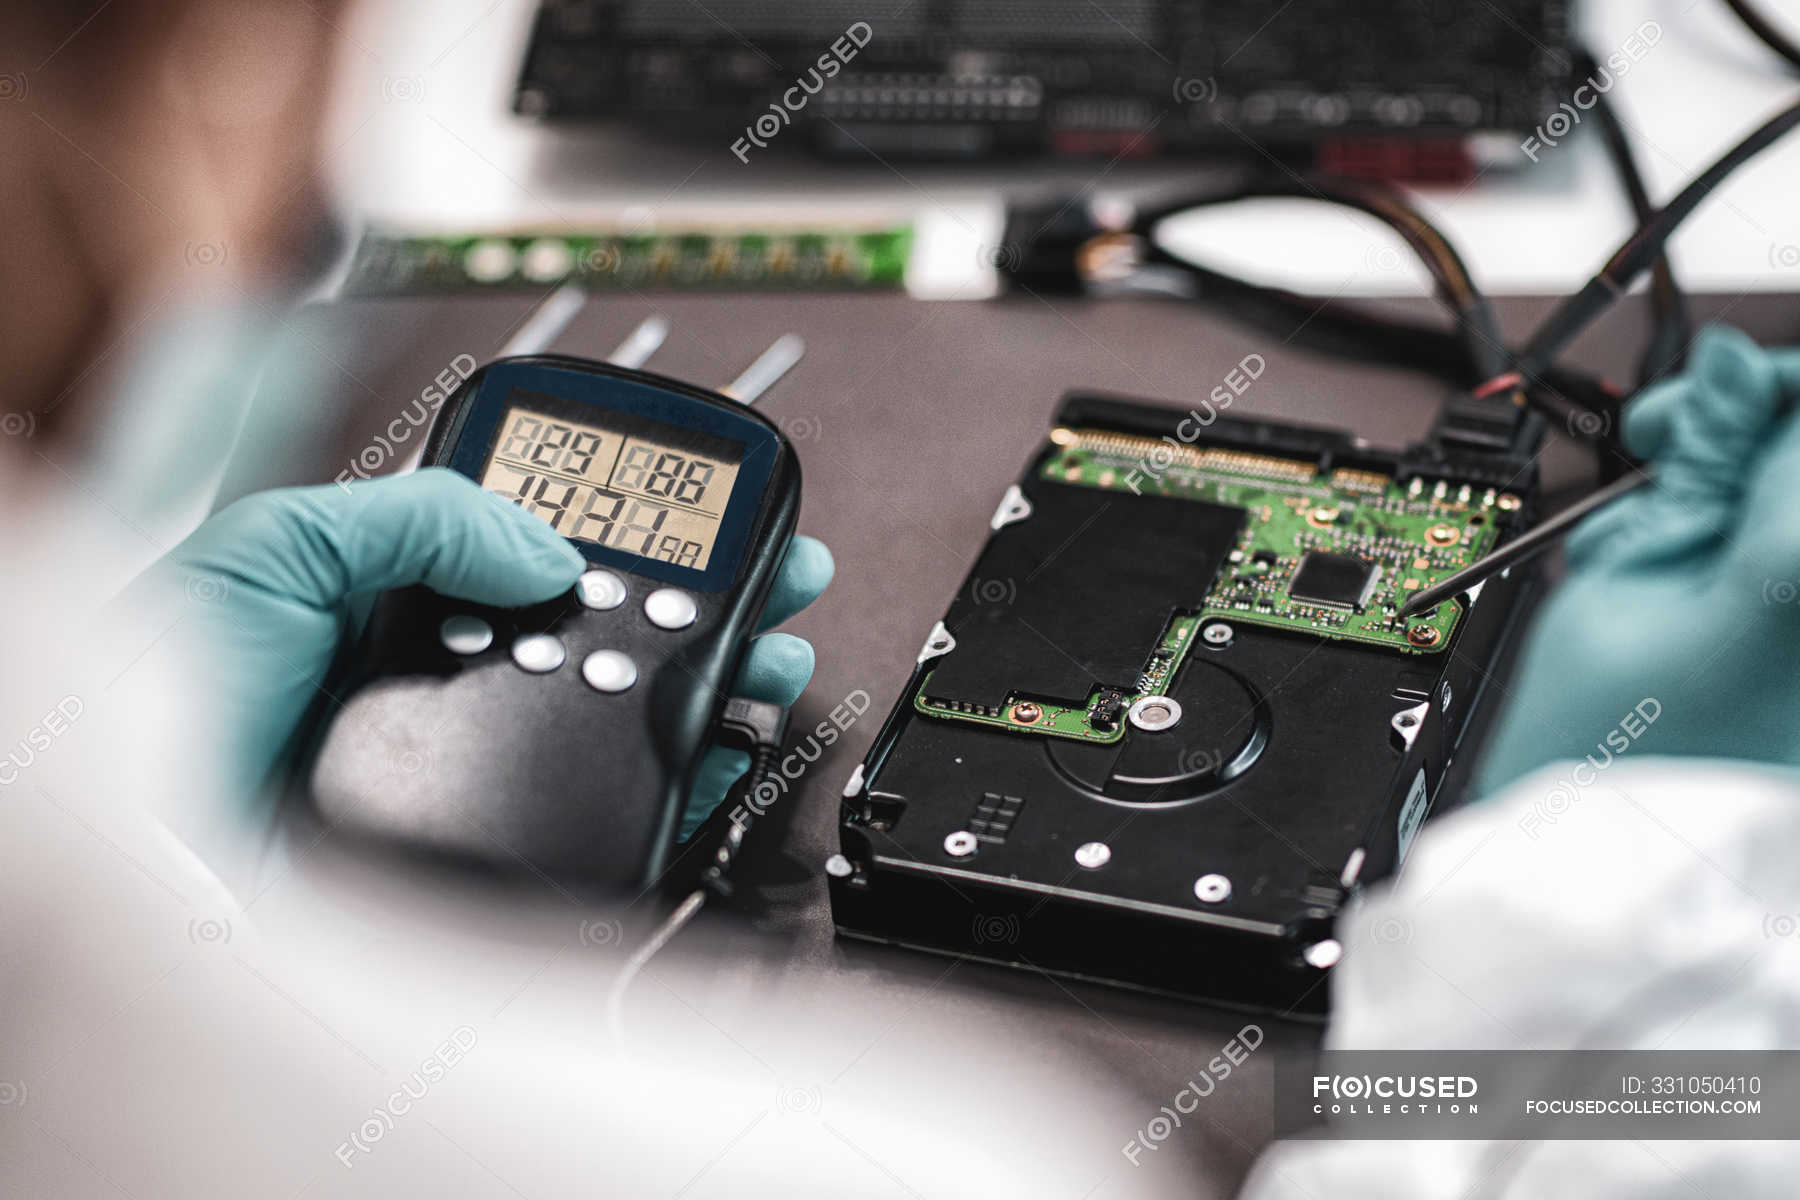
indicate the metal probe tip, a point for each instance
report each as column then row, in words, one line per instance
column 546, row 322
column 1537, row 539
column 768, row 368
column 641, row 342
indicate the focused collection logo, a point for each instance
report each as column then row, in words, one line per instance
column 1399, row 1095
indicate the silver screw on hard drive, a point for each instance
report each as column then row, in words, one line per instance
column 1153, row 714
column 960, row 844
column 1323, row 954
column 1093, row 855
column 1217, row 634
column 1212, row 889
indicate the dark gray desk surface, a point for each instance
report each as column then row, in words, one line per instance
column 910, row 421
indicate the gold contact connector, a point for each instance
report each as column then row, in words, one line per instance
column 1169, row 453
column 1125, row 445
column 1360, row 481
column 1257, row 466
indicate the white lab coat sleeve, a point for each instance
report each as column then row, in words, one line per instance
column 1649, row 904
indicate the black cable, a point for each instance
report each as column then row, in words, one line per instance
column 661, row 936
column 1475, row 322
column 758, row 727
column 1772, row 37
column 1354, row 333
column 1569, row 397
column 1673, row 329
column 1639, row 250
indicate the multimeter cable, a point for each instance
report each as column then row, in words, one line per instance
column 760, row 728
column 634, row 966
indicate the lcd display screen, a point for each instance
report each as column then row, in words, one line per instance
column 627, row 483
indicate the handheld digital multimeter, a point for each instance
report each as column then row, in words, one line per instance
column 566, row 735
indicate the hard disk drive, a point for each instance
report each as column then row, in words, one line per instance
column 1171, row 720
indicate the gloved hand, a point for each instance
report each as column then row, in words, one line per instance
column 265, row 593
column 1677, row 630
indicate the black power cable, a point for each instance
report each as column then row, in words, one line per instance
column 1476, row 325
column 1071, row 251
column 1639, row 250
column 1356, row 334
column 1062, row 248
column 1760, row 25
column 1674, row 330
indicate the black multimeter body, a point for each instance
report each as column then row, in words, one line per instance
column 564, row 737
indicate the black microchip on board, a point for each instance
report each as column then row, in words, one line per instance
column 1334, row 580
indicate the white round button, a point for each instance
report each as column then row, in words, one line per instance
column 608, row 671
column 600, row 589
column 538, row 653
column 670, row 608
column 465, row 634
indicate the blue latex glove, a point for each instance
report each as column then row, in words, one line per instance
column 1685, row 594
column 265, row 592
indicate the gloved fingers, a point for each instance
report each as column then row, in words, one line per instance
column 1770, row 535
column 1703, row 433
column 1772, row 482
column 718, row 771
column 1786, row 361
column 804, row 574
column 443, row 530
column 1620, row 529
column 776, row 669
column 1649, row 418
column 319, row 546
column 1713, row 437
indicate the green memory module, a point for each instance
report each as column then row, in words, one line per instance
column 1332, row 554
column 693, row 260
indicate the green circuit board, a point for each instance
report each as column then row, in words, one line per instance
column 1302, row 531
column 388, row 263
column 1101, row 719
column 1332, row 554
